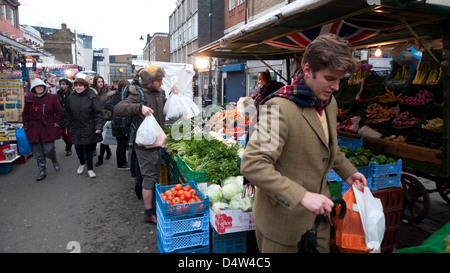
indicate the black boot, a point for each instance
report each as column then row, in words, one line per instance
column 56, row 165
column 68, row 149
column 42, row 174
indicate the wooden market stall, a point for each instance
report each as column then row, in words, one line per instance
column 389, row 25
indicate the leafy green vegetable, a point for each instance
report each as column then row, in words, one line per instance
column 217, row 159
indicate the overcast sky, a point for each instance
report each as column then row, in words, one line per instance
column 114, row 24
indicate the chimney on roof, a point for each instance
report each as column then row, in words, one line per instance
column 63, row 26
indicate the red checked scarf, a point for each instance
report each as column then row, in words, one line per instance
column 300, row 93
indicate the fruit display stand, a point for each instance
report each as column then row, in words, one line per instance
column 418, row 134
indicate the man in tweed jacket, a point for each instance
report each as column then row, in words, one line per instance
column 293, row 147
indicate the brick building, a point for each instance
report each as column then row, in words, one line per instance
column 157, row 48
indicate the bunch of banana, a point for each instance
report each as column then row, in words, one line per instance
column 434, row 125
column 378, row 114
column 402, row 73
column 428, row 70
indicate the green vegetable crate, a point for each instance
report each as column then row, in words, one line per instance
column 189, row 174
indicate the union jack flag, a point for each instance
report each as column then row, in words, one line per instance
column 300, row 40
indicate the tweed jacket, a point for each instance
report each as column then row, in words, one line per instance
column 297, row 160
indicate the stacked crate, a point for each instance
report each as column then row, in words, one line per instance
column 235, row 242
column 182, row 228
column 392, row 201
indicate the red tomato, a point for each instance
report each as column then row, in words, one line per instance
column 187, row 188
column 164, row 197
column 187, row 195
column 179, row 193
column 176, row 201
column 170, row 198
column 168, row 192
column 178, row 187
column 193, row 192
column 192, row 200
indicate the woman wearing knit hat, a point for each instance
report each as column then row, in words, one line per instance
column 41, row 117
column 150, row 79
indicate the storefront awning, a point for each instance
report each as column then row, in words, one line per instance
column 368, row 23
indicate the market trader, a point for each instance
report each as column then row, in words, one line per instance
column 293, row 147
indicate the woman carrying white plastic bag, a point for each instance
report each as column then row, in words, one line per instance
column 150, row 134
column 372, row 217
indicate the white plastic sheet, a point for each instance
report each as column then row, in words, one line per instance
column 179, row 75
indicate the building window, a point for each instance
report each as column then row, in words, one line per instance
column 195, row 26
column 240, row 2
column 4, row 11
column 232, row 4
column 11, row 16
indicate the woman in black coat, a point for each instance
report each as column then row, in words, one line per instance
column 118, row 131
column 85, row 117
column 63, row 93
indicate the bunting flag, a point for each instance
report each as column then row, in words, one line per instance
column 300, row 40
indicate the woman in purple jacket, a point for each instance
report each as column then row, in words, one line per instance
column 41, row 117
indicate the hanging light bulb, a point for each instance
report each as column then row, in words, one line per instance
column 378, row 52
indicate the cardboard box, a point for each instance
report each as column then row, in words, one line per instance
column 229, row 221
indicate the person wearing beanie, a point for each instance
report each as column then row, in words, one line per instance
column 42, row 115
column 148, row 165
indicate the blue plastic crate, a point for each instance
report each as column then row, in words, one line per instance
column 345, row 186
column 333, row 176
column 182, row 224
column 366, row 170
column 235, row 242
column 168, row 211
column 6, row 168
column 383, row 182
column 387, row 169
column 168, row 244
column 352, row 143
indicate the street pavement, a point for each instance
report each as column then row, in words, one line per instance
column 67, row 212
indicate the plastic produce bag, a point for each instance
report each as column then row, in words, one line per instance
column 23, row 144
column 179, row 105
column 214, row 192
column 108, row 138
column 372, row 217
column 350, row 236
column 150, row 133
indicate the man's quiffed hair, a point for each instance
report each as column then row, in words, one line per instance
column 329, row 51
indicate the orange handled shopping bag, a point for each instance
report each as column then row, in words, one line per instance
column 350, row 236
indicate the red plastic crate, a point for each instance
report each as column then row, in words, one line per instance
column 391, row 198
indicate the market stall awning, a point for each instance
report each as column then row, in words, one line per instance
column 283, row 32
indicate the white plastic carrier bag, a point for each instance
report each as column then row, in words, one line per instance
column 372, row 217
column 150, row 133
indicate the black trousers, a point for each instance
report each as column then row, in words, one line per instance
column 85, row 154
column 121, row 151
column 104, row 148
